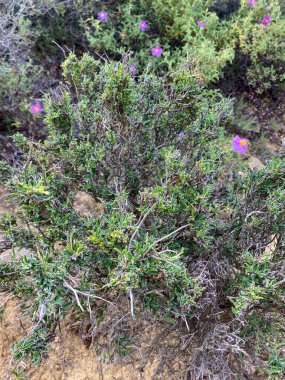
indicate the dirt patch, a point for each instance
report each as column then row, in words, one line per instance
column 11, row 328
column 6, row 205
column 16, row 253
column 69, row 359
column 85, row 205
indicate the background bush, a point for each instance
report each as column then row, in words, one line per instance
column 262, row 47
column 33, row 34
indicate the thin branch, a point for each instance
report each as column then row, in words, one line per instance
column 138, row 227
column 165, row 260
column 253, row 213
column 85, row 294
column 60, row 48
column 75, row 293
column 124, row 316
column 132, row 303
column 166, row 237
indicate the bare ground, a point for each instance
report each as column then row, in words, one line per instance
column 69, row 359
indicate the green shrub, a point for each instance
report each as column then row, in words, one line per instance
column 29, row 57
column 262, row 47
column 184, row 226
column 118, row 139
column 266, row 333
column 17, row 84
column 233, row 35
column 34, row 37
column 177, row 225
column 173, row 26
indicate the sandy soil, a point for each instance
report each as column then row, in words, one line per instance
column 69, row 359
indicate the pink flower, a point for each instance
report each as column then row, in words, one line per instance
column 266, row 20
column 201, row 23
column 156, row 51
column 103, row 16
column 252, row 2
column 36, row 108
column 240, row 145
column 143, row 25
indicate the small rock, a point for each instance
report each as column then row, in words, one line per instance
column 225, row 215
column 59, row 246
column 272, row 148
column 85, row 205
column 254, row 163
column 6, row 205
column 4, row 243
column 12, row 254
column 271, row 247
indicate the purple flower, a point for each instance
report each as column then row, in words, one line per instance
column 252, row 2
column 201, row 23
column 181, row 135
column 156, row 51
column 239, row 145
column 143, row 25
column 266, row 20
column 133, row 70
column 103, row 16
column 36, row 108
